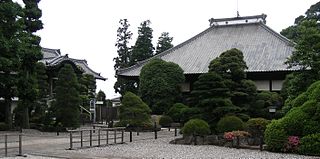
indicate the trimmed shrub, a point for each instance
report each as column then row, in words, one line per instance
column 294, row 121
column 165, row 121
column 134, row 112
column 257, row 126
column 176, row 112
column 230, row 123
column 310, row 145
column 275, row 136
column 196, row 127
column 302, row 98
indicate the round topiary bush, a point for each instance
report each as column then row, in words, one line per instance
column 310, row 145
column 257, row 126
column 165, row 121
column 196, row 127
column 275, row 136
column 230, row 123
column 176, row 112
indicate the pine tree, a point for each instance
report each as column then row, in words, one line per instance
column 164, row 42
column 67, row 98
column 10, row 26
column 30, row 53
column 143, row 47
column 124, row 59
column 134, row 111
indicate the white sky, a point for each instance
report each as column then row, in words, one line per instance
column 87, row 29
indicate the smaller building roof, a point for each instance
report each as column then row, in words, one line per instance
column 53, row 57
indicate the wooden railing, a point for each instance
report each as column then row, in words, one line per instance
column 12, row 144
column 94, row 137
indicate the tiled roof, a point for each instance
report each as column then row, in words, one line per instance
column 52, row 57
column 264, row 50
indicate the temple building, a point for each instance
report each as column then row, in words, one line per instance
column 53, row 61
column 264, row 50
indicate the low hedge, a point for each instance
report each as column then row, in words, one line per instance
column 310, row 145
column 196, row 127
column 230, row 123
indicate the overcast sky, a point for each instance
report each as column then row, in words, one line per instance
column 87, row 29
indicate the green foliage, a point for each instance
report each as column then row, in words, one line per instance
column 66, row 106
column 176, row 112
column 230, row 123
column 229, row 65
column 196, row 127
column 310, row 145
column 263, row 101
column 87, row 89
column 143, row 47
column 211, row 96
column 257, row 126
column 159, row 84
column 294, row 121
column 124, row 59
column 3, row 126
column 134, row 112
column 101, row 96
column 165, row 121
column 275, row 136
column 164, row 43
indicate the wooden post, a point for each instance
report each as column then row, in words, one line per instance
column 155, row 131
column 107, row 142
column 90, row 138
column 81, row 138
column 20, row 145
column 137, row 131
column 122, row 134
column 175, row 132
column 94, row 127
column 238, row 142
column 115, row 136
column 6, row 145
column 261, row 143
column 130, row 136
column 70, row 148
column 98, row 137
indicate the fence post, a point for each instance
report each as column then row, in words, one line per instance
column 81, row 138
column 130, row 136
column 90, row 138
column 115, row 136
column 107, row 142
column 175, row 131
column 155, row 131
column 261, row 143
column 98, row 137
column 70, row 148
column 20, row 144
column 122, row 134
column 6, row 145
column 137, row 131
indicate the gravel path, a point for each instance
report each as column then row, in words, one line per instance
column 161, row 149
column 49, row 146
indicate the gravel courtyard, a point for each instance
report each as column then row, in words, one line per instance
column 143, row 146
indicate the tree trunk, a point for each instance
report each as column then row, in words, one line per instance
column 8, row 119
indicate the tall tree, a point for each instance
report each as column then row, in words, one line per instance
column 41, row 106
column 124, row 58
column 10, row 27
column 160, row 84
column 68, row 99
column 124, row 52
column 306, row 33
column 143, row 47
column 164, row 43
column 30, row 54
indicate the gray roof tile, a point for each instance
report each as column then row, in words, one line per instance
column 263, row 49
